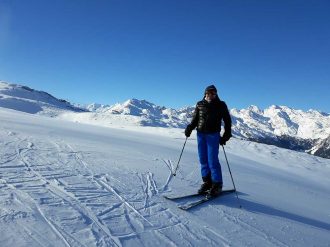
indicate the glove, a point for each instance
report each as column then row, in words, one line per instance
column 224, row 139
column 188, row 131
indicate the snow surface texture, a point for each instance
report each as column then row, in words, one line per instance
column 69, row 184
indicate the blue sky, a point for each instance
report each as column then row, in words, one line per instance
column 168, row 51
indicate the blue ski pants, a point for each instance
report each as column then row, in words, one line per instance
column 208, row 151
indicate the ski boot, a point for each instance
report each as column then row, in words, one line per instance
column 215, row 189
column 206, row 186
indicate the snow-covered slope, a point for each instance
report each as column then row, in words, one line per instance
column 69, row 184
column 277, row 125
column 28, row 100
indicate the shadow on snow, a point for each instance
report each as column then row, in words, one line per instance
column 254, row 207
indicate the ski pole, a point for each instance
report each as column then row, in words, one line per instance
column 240, row 206
column 176, row 168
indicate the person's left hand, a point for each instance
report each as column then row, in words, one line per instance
column 224, row 139
column 188, row 131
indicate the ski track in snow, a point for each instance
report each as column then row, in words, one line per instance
column 54, row 193
column 257, row 232
column 90, row 210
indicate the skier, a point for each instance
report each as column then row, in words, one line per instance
column 207, row 117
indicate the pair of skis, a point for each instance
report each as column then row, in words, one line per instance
column 205, row 198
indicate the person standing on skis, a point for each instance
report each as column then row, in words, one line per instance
column 207, row 118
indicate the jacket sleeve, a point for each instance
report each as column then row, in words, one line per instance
column 227, row 120
column 194, row 120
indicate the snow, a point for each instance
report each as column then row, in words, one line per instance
column 281, row 120
column 251, row 123
column 64, row 183
column 25, row 99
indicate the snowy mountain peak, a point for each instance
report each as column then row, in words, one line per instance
column 254, row 108
column 96, row 107
column 318, row 113
column 25, row 99
column 275, row 107
column 137, row 102
column 137, row 107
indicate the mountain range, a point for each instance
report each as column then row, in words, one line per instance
column 282, row 126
